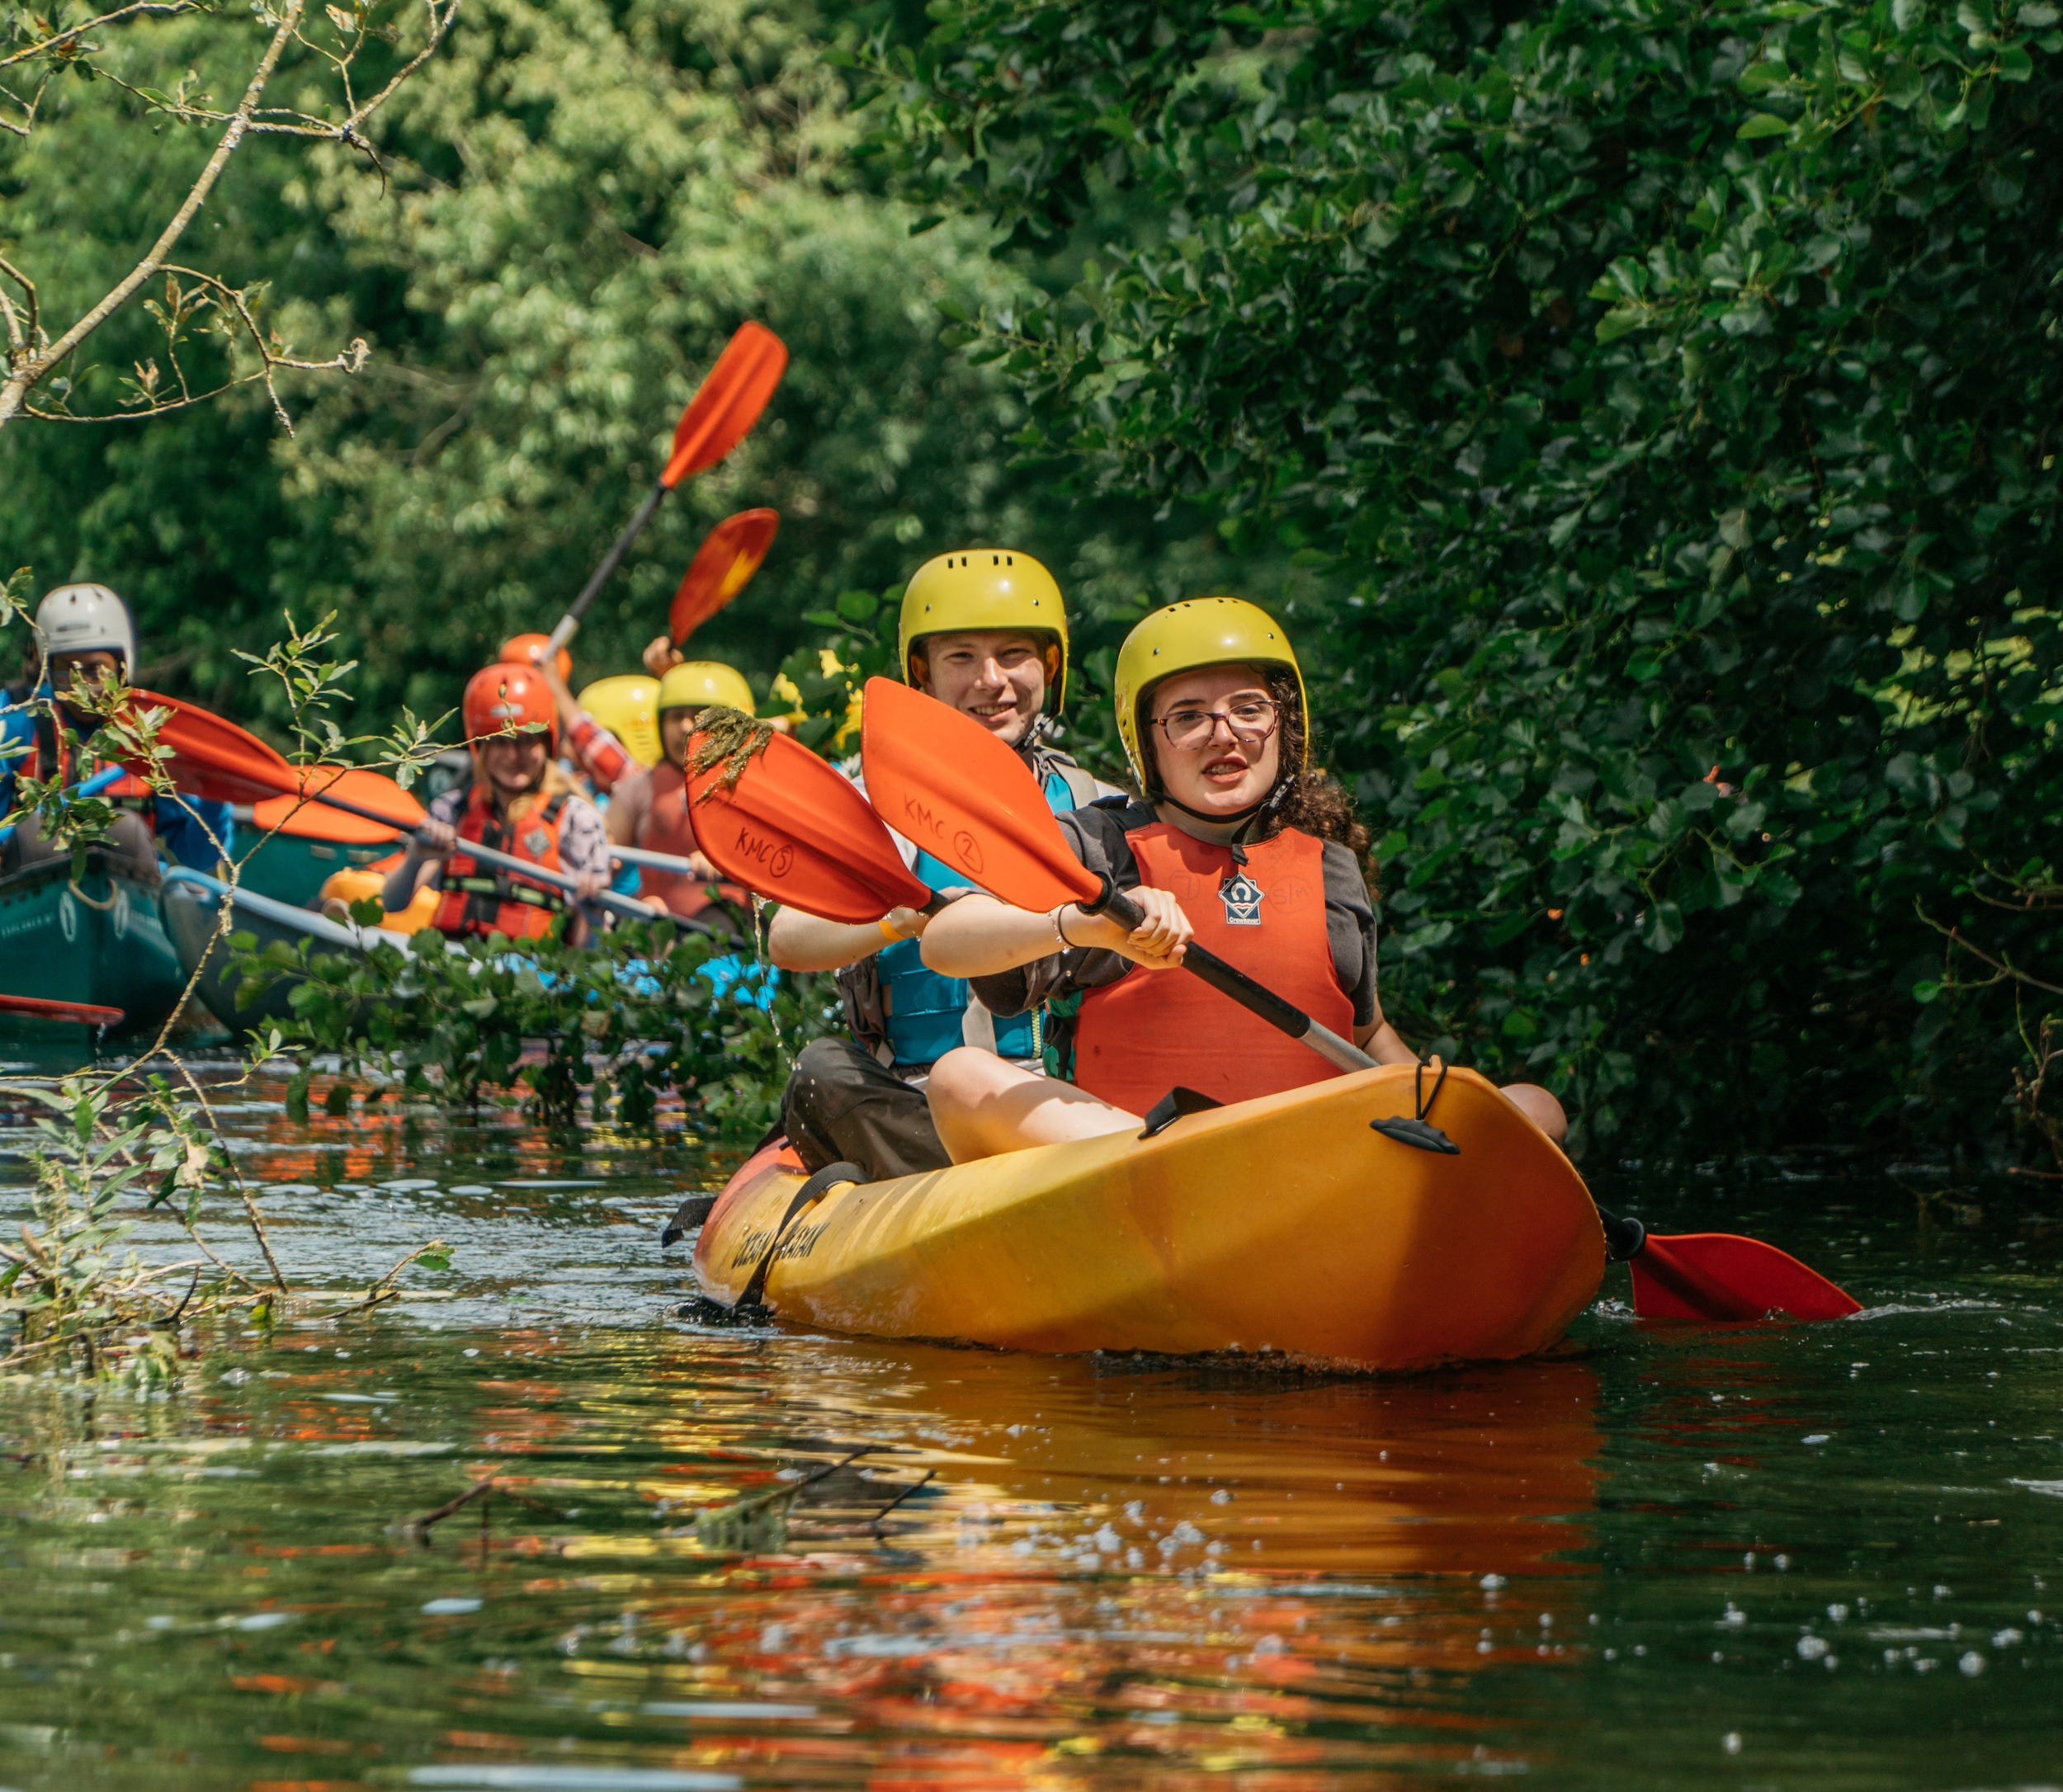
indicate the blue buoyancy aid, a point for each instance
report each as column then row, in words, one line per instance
column 925, row 1011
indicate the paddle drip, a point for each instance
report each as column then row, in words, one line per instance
column 729, row 738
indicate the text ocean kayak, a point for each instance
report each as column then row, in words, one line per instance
column 1284, row 1225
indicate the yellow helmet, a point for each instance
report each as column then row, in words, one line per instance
column 628, row 707
column 701, row 683
column 1198, row 631
column 983, row 588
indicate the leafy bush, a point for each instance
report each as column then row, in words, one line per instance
column 647, row 1008
column 1674, row 394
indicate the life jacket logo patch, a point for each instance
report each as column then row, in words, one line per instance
column 537, row 843
column 1242, row 898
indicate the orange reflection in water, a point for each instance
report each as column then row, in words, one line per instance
column 1121, row 1570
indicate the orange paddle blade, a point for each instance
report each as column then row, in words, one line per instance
column 728, row 402
column 42, row 1008
column 796, row 830
column 722, row 566
column 1720, row 1275
column 941, row 779
column 212, row 758
column 318, row 821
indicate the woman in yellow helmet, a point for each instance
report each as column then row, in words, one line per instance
column 983, row 630
column 1236, row 841
column 650, row 808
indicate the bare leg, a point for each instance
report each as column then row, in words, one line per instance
column 1540, row 1107
column 983, row 1107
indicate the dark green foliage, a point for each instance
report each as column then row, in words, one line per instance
column 648, row 1009
column 1673, row 395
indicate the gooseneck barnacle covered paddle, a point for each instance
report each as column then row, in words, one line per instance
column 219, row 760
column 723, row 409
column 970, row 801
column 774, row 818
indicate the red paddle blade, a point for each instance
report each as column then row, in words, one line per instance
column 796, row 830
column 42, row 1008
column 722, row 566
column 1718, row 1276
column 212, row 758
column 941, row 779
column 728, row 402
column 318, row 821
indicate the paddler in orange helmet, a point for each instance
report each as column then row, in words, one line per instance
column 650, row 808
column 519, row 802
column 1236, row 841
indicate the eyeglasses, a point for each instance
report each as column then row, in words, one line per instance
column 1251, row 720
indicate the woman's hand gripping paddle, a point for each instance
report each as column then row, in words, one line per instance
column 967, row 798
column 774, row 818
column 218, row 760
column 723, row 409
column 723, row 566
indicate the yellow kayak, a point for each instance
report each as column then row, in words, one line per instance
column 1285, row 1225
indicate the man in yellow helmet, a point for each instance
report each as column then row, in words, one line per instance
column 984, row 631
column 650, row 807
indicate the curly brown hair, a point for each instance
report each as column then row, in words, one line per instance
column 1305, row 798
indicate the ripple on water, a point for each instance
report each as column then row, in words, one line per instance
column 1666, row 1553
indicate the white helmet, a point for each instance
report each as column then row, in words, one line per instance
column 85, row 619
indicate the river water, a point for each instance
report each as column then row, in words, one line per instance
column 1662, row 1557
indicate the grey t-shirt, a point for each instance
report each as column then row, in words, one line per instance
column 1098, row 836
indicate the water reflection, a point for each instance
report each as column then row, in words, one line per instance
column 1825, row 1544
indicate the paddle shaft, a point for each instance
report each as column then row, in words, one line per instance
column 91, row 787
column 1228, row 980
column 659, row 861
column 609, row 562
column 534, row 873
column 1287, row 1018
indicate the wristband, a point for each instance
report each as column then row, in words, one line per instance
column 888, row 931
column 1060, row 933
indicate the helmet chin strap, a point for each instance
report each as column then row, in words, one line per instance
column 1245, row 822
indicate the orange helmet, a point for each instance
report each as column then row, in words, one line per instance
column 522, row 649
column 505, row 696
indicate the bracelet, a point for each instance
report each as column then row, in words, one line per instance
column 888, row 931
column 1060, row 933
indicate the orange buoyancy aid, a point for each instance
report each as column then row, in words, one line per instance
column 1138, row 1038
column 476, row 900
column 667, row 826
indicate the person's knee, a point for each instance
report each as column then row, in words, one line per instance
column 1540, row 1106
column 964, row 1075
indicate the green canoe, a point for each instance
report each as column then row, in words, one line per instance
column 192, row 908
column 292, row 867
column 99, row 939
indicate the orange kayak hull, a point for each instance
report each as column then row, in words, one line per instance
column 1282, row 1226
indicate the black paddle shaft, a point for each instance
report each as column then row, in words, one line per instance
column 1624, row 1238
column 609, row 562
column 1228, row 980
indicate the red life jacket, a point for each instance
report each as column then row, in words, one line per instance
column 476, row 900
column 1138, row 1038
column 669, row 826
column 50, row 757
